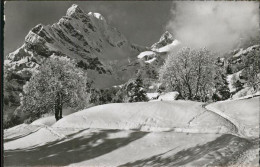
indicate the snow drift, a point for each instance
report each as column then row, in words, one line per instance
column 179, row 116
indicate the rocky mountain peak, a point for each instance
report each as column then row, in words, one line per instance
column 74, row 11
column 165, row 39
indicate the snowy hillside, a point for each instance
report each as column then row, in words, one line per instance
column 164, row 133
column 239, row 62
column 155, row 116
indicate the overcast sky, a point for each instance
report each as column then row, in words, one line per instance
column 217, row 24
column 141, row 22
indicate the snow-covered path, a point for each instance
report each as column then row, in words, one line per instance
column 237, row 127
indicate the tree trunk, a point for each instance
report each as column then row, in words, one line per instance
column 60, row 111
column 58, row 107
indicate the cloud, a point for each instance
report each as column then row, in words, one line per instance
column 216, row 25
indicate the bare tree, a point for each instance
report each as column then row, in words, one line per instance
column 190, row 72
column 57, row 83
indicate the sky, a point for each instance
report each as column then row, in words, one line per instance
column 216, row 25
column 141, row 22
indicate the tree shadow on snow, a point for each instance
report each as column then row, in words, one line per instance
column 216, row 153
column 72, row 151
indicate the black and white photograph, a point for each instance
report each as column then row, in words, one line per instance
column 131, row 83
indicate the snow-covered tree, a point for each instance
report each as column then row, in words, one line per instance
column 190, row 72
column 221, row 84
column 57, row 83
column 136, row 91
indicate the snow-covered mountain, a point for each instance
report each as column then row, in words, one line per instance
column 97, row 46
column 93, row 43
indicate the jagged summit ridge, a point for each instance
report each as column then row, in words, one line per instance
column 74, row 10
column 77, row 32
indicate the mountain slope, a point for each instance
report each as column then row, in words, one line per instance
column 243, row 67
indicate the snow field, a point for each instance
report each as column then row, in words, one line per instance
column 162, row 133
column 157, row 116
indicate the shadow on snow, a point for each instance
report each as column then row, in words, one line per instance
column 72, row 151
column 216, row 153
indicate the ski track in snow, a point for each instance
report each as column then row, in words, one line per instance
column 7, row 139
column 189, row 123
column 61, row 136
column 236, row 125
